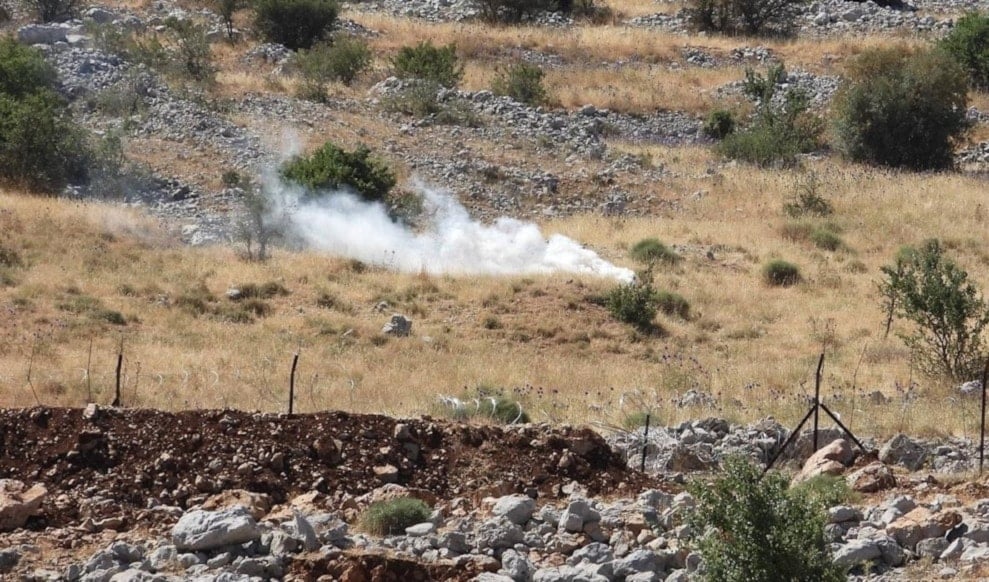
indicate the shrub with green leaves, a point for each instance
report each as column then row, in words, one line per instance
column 826, row 239
column 748, row 17
column 968, row 44
column 332, row 168
column 780, row 273
column 633, row 303
column 781, row 128
column 673, row 304
column 297, row 24
column 391, row 517
column 191, row 52
column 651, row 251
column 901, row 108
column 808, row 199
column 343, row 60
column 947, row 311
column 427, row 62
column 755, row 528
column 522, row 82
column 719, row 124
column 513, row 10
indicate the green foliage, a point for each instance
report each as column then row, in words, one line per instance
column 516, row 10
column 748, row 17
column 429, row 63
column 226, row 10
column 757, row 529
column 421, row 99
column 651, row 251
column 968, row 44
column 808, row 200
column 673, row 304
column 781, row 128
column 719, row 124
column 826, row 239
column 780, row 273
column 23, row 70
column 827, row 490
column 341, row 61
column 262, row 291
column 52, row 10
column 902, row 109
column 522, row 82
column 332, row 168
column 191, row 53
column 297, row 24
column 948, row 313
column 391, row 517
column 633, row 303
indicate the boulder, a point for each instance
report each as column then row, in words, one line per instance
column 857, row 552
column 872, row 478
column 904, row 451
column 42, row 34
column 518, row 509
column 920, row 524
column 398, row 326
column 498, row 533
column 200, row 530
column 517, row 566
column 257, row 504
column 19, row 502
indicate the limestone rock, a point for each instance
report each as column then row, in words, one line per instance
column 200, row 530
column 18, row 503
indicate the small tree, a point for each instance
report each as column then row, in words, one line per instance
column 751, row 17
column 522, row 82
column 193, row 58
column 297, row 24
column 342, row 61
column 332, row 168
column 968, row 44
column 259, row 225
column 948, row 312
column 634, row 303
column 902, row 109
column 757, row 529
column 429, row 63
column 227, row 8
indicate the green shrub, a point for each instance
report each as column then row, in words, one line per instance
column 110, row 316
column 637, row 420
column 827, row 490
column 341, row 61
column 9, row 257
column 331, row 168
column 808, row 200
column 23, row 70
column 297, row 24
column 651, row 251
column 673, row 304
column 522, row 82
column 968, row 44
column 719, row 124
column 948, row 313
column 826, row 239
column 226, row 10
column 755, row 528
column 262, row 291
column 633, row 303
column 516, row 10
column 901, row 109
column 749, row 17
column 780, row 273
column 40, row 146
column 429, row 63
column 780, row 130
column 192, row 57
column 391, row 517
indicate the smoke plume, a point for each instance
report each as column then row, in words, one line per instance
column 450, row 242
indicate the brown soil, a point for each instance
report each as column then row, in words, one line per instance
column 121, row 461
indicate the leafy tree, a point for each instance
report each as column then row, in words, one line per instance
column 968, row 44
column 522, row 82
column 427, row 62
column 947, row 310
column 757, row 529
column 342, row 61
column 902, row 108
column 332, row 168
column 635, row 302
column 297, row 24
column 750, row 17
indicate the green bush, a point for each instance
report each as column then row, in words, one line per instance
column 429, row 63
column 297, row 24
column 341, row 61
column 391, row 517
column 719, row 124
column 968, row 44
column 827, row 490
column 780, row 273
column 516, row 10
column 633, row 303
column 755, row 528
column 651, row 251
column 780, row 129
column 948, row 313
column 673, row 304
column 808, row 200
column 900, row 108
column 749, row 17
column 332, row 168
column 522, row 82
column 23, row 70
column 192, row 57
column 826, row 239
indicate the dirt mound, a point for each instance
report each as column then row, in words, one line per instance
column 118, row 462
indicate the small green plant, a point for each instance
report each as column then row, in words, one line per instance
column 231, row 178
column 968, row 44
column 808, row 200
column 391, row 517
column 826, row 239
column 297, row 24
column 259, row 225
column 747, row 17
column 901, row 108
column 522, row 82
column 343, row 60
column 651, row 251
column 427, row 62
column 634, row 303
column 827, row 490
column 673, row 304
column 719, row 124
column 781, row 128
column 780, row 273
column 636, row 420
column 927, row 288
column 755, row 528
column 191, row 53
column 263, row 291
column 332, row 168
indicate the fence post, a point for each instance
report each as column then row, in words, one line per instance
column 982, row 429
column 120, row 365
column 817, row 396
column 291, row 383
column 645, row 445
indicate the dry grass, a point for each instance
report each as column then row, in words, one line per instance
column 751, row 346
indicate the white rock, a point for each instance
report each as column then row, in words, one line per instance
column 207, row 530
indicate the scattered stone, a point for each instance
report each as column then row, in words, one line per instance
column 905, row 451
column 199, row 530
column 516, row 508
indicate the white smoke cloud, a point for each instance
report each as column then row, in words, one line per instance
column 451, row 242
